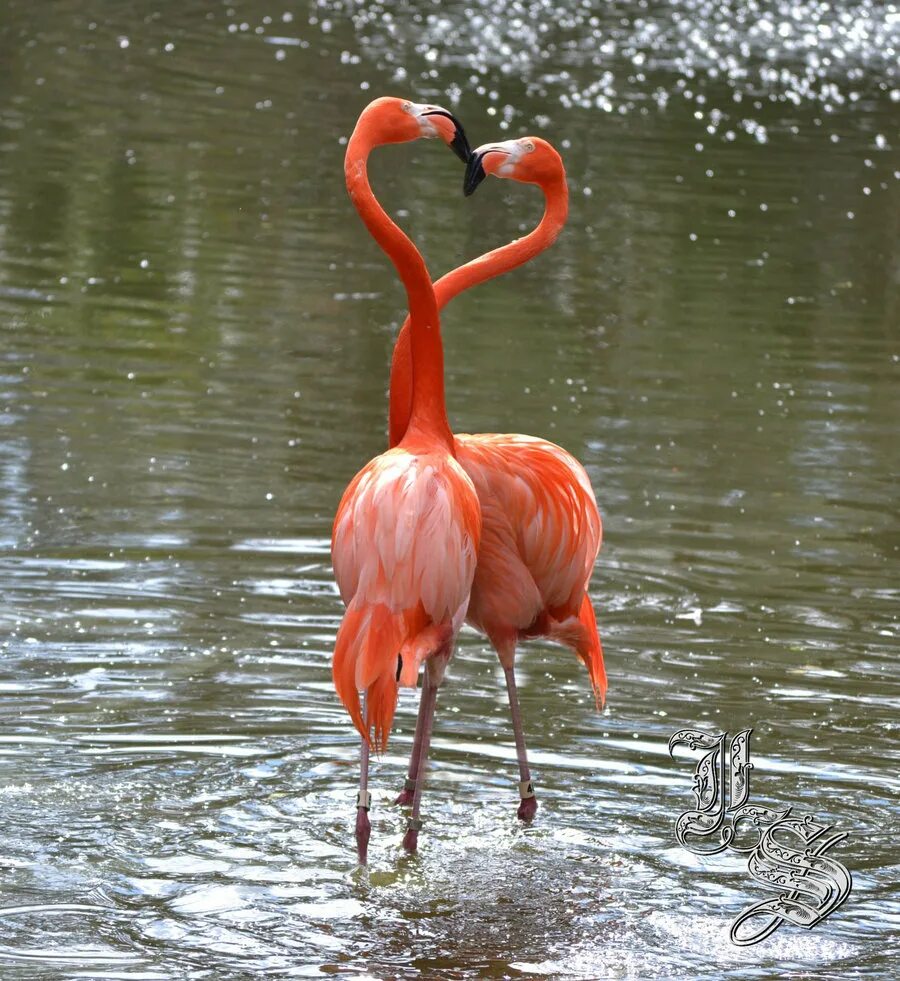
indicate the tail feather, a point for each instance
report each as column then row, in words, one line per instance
column 591, row 652
column 365, row 659
column 381, row 701
column 579, row 633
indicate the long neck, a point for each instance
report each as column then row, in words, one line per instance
column 485, row 267
column 427, row 408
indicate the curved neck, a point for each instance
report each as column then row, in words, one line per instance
column 427, row 409
column 485, row 267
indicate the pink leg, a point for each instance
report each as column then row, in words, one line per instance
column 363, row 798
column 435, row 667
column 528, row 805
column 405, row 797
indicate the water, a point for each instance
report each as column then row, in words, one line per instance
column 195, row 333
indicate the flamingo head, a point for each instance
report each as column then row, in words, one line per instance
column 400, row 121
column 528, row 159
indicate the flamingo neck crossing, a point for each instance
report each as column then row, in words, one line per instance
column 427, row 407
column 480, row 270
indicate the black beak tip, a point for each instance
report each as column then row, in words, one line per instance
column 474, row 175
column 460, row 145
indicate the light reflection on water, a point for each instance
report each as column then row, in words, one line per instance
column 196, row 334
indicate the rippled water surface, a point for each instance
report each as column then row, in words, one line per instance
column 194, row 338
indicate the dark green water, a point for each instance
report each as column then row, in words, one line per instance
column 194, row 339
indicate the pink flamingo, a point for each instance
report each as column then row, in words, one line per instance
column 407, row 529
column 541, row 530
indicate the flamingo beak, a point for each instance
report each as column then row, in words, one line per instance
column 475, row 172
column 459, row 144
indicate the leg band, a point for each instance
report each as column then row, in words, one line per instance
column 526, row 789
column 364, row 800
column 409, row 785
column 414, row 824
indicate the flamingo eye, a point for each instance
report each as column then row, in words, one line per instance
column 407, row 107
column 528, row 146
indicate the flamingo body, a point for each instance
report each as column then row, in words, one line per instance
column 404, row 548
column 541, row 534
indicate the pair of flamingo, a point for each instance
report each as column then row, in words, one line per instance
column 499, row 530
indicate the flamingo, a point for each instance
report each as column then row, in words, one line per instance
column 407, row 529
column 541, row 530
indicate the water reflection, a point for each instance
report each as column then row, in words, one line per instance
column 195, row 339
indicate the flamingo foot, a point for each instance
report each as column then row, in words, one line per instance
column 527, row 809
column 411, row 838
column 363, row 830
column 405, row 797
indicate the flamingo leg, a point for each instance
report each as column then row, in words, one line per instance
column 434, row 676
column 405, row 797
column 528, row 804
column 363, row 798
